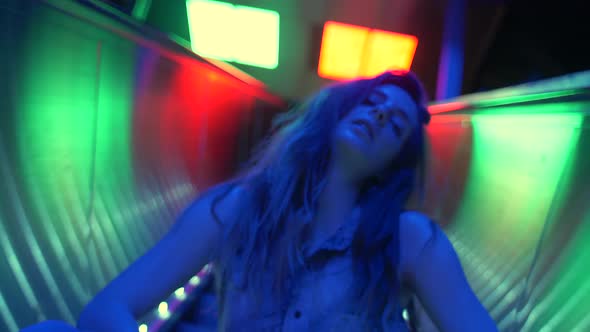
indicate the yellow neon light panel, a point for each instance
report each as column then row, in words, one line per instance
column 241, row 34
column 350, row 51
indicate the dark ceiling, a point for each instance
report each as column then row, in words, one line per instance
column 536, row 40
column 506, row 42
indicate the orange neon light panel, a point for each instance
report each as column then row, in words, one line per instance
column 350, row 51
column 342, row 50
column 387, row 51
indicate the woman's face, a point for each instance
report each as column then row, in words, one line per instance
column 371, row 135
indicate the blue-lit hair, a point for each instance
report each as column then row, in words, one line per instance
column 286, row 176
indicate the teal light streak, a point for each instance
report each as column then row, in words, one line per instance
column 37, row 253
column 119, row 257
column 66, row 267
column 538, row 97
column 7, row 315
column 104, row 252
column 564, row 313
column 11, row 256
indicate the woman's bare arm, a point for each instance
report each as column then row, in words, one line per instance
column 190, row 244
column 432, row 269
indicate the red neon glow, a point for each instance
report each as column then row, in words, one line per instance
column 447, row 107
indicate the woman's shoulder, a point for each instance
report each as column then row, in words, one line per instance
column 416, row 225
column 224, row 200
column 416, row 231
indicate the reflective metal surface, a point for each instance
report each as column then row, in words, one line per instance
column 511, row 184
column 107, row 131
column 105, row 134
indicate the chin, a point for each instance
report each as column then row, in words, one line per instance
column 352, row 152
column 351, row 141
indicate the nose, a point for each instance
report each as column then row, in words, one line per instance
column 381, row 114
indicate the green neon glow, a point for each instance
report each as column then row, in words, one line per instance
column 74, row 125
column 141, row 9
column 563, row 294
column 524, row 98
column 55, row 121
column 241, row 34
column 113, row 159
column 519, row 156
column 576, row 83
column 517, row 161
column 482, row 101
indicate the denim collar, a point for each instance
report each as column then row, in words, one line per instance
column 341, row 240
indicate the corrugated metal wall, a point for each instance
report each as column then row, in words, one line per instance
column 511, row 185
column 106, row 132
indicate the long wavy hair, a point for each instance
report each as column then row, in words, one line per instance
column 285, row 178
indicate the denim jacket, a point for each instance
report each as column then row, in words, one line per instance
column 324, row 297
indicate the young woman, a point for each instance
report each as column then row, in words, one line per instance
column 313, row 234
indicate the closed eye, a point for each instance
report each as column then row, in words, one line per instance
column 395, row 126
column 373, row 99
column 399, row 112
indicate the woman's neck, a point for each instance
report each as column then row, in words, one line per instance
column 336, row 202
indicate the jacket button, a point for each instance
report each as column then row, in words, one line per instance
column 297, row 314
